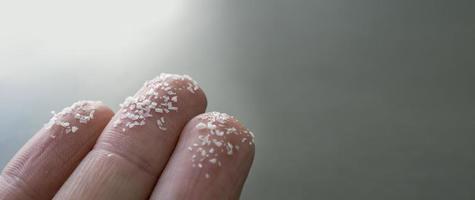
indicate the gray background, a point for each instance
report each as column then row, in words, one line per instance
column 348, row 99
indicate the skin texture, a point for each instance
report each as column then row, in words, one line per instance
column 102, row 161
column 42, row 165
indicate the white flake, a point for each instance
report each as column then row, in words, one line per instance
column 74, row 129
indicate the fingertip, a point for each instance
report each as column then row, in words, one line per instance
column 230, row 141
column 226, row 126
column 81, row 114
column 184, row 83
column 165, row 96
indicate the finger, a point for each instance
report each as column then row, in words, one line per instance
column 135, row 146
column 211, row 161
column 44, row 163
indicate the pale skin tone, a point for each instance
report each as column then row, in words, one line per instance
column 101, row 161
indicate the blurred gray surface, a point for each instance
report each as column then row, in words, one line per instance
column 348, row 99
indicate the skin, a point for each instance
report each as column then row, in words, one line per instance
column 101, row 161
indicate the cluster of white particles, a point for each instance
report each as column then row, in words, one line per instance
column 159, row 96
column 214, row 142
column 81, row 111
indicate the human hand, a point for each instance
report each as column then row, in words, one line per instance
column 159, row 145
